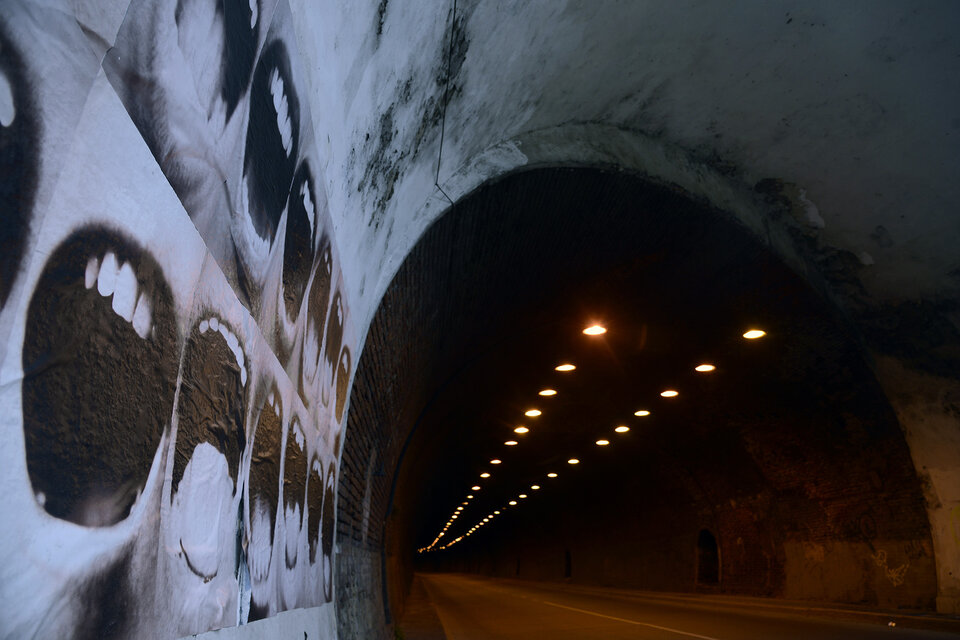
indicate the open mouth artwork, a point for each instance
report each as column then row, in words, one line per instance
column 100, row 362
column 317, row 300
column 241, row 19
column 264, row 495
column 294, row 487
column 299, row 240
column 272, row 145
column 18, row 161
column 210, row 442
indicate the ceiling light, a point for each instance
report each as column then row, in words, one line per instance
column 703, row 368
column 573, row 461
column 470, row 497
column 495, row 461
column 603, row 443
column 521, row 429
column 513, row 503
column 523, row 495
column 459, row 508
column 511, row 443
column 548, row 392
column 454, row 516
column 669, row 393
column 622, row 429
column 484, row 475
column 551, row 475
column 532, row 413
column 475, row 487
column 641, row 413
column 534, row 486
column 753, row 334
column 486, row 519
column 595, row 330
column 496, row 512
column 465, row 504
column 565, row 367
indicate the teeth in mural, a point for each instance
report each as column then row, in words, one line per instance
column 232, row 341
column 41, row 498
column 8, row 109
column 204, row 325
column 271, row 400
column 107, row 278
column 254, row 11
column 142, row 316
column 125, row 292
column 308, row 205
column 300, row 439
column 215, row 323
column 93, row 269
column 282, row 110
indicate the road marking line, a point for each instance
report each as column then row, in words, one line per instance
column 642, row 624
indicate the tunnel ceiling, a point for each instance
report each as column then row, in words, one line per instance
column 496, row 295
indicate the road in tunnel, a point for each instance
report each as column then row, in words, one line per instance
column 473, row 608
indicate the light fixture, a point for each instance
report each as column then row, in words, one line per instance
column 465, row 503
column 548, row 392
column 470, row 497
column 551, row 475
column 496, row 461
column 669, row 393
column 521, row 429
column 486, row 519
column 622, row 429
column 512, row 503
column 475, row 487
column 484, row 475
column 532, row 413
column 511, row 443
column 603, row 443
column 595, row 330
column 459, row 508
column 703, row 368
column 573, row 461
column 753, row 334
column 642, row 413
column 534, row 486
column 496, row 513
column 565, row 367
column 523, row 495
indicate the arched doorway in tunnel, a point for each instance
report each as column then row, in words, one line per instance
column 784, row 439
column 708, row 559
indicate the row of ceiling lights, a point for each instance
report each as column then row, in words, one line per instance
column 593, row 330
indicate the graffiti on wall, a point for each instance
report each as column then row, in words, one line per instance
column 175, row 348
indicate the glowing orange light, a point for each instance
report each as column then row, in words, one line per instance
column 704, row 368
column 496, row 512
column 470, row 497
column 486, row 519
column 535, row 487
column 521, row 429
column 603, row 443
column 753, row 334
column 459, row 508
column 551, row 475
column 622, row 429
column 511, row 443
column 523, row 495
column 532, row 413
column 548, row 392
column 475, row 487
column 573, row 461
column 495, row 461
column 513, row 503
column 669, row 393
column 565, row 367
column 484, row 475
column 642, row 413
column 595, row 330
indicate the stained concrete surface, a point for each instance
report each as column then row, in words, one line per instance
column 479, row 608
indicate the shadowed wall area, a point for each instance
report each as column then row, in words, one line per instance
column 788, row 455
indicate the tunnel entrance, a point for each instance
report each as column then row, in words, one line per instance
column 708, row 559
column 779, row 437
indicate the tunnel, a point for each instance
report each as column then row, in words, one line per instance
column 472, row 319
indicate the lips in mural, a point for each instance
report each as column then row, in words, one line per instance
column 294, row 486
column 272, row 144
column 209, row 444
column 264, row 494
column 331, row 348
column 241, row 19
column 317, row 301
column 18, row 161
column 100, row 364
column 314, row 507
column 299, row 240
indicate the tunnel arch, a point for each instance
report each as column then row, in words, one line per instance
column 708, row 559
column 517, row 250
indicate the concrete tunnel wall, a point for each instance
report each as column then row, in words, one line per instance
column 148, row 131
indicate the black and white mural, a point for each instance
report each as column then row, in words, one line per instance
column 175, row 346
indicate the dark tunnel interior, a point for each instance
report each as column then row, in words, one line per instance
column 784, row 455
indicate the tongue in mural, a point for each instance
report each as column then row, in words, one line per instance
column 100, row 364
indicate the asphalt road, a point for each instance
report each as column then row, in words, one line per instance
column 474, row 608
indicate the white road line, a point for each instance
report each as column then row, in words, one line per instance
column 642, row 624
